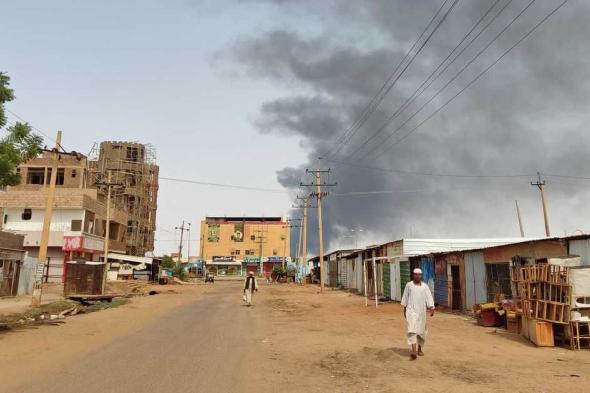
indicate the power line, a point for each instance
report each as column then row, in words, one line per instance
column 384, row 90
column 433, row 174
column 234, row 186
column 477, row 55
column 43, row 134
column 422, row 86
column 396, row 142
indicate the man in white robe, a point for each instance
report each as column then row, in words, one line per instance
column 250, row 285
column 416, row 300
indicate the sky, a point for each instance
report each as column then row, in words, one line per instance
column 252, row 92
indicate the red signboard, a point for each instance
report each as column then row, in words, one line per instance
column 73, row 243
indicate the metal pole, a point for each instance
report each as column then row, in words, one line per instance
column 365, row 279
column 304, row 241
column 375, row 280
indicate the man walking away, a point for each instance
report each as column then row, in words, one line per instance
column 250, row 285
column 416, row 300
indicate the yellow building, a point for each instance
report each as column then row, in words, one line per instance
column 235, row 245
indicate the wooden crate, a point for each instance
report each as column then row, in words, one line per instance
column 541, row 333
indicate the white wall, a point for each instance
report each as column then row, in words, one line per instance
column 61, row 220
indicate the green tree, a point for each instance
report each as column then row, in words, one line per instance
column 19, row 144
column 168, row 262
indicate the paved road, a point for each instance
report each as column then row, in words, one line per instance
column 211, row 345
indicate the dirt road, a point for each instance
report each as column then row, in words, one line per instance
column 203, row 339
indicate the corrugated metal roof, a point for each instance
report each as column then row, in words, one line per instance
column 427, row 246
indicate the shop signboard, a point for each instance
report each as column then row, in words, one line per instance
column 252, row 259
column 223, row 259
column 275, row 259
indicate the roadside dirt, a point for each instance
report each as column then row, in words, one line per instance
column 333, row 343
column 35, row 351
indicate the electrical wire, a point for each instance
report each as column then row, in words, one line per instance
column 234, row 186
column 433, row 174
column 384, row 90
column 424, row 86
column 534, row 28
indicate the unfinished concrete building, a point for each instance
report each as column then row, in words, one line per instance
column 133, row 168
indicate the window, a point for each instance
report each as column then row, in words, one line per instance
column 61, row 174
column 237, row 252
column 275, row 252
column 132, row 153
column 76, row 225
column 36, row 176
column 27, row 214
column 247, row 252
column 74, row 173
column 252, row 237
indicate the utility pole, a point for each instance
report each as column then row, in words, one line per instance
column 107, row 236
column 42, row 257
column 289, row 225
column 260, row 240
column 182, row 229
column 188, row 243
column 319, row 196
column 541, row 185
column 519, row 219
column 303, row 256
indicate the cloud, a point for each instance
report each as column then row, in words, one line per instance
column 527, row 114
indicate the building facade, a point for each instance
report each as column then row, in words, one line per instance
column 235, row 245
column 78, row 222
column 133, row 167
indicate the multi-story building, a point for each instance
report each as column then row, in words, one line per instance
column 235, row 245
column 132, row 166
column 78, row 220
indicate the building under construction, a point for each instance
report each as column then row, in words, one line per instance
column 133, row 170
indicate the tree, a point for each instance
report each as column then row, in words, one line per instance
column 19, row 145
column 168, row 262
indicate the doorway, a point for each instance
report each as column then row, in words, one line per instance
column 456, row 296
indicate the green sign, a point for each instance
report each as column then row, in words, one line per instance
column 251, row 259
column 213, row 231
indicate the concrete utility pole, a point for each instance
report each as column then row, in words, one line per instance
column 182, row 229
column 289, row 225
column 519, row 219
column 44, row 244
column 260, row 240
column 319, row 196
column 188, row 243
column 303, row 254
column 541, row 185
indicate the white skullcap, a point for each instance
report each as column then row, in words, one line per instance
column 418, row 271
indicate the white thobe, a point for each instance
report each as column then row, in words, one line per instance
column 417, row 299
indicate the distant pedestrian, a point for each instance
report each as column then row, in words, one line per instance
column 416, row 300
column 250, row 285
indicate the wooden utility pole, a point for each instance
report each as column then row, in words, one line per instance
column 519, row 219
column 44, row 244
column 319, row 196
column 541, row 185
